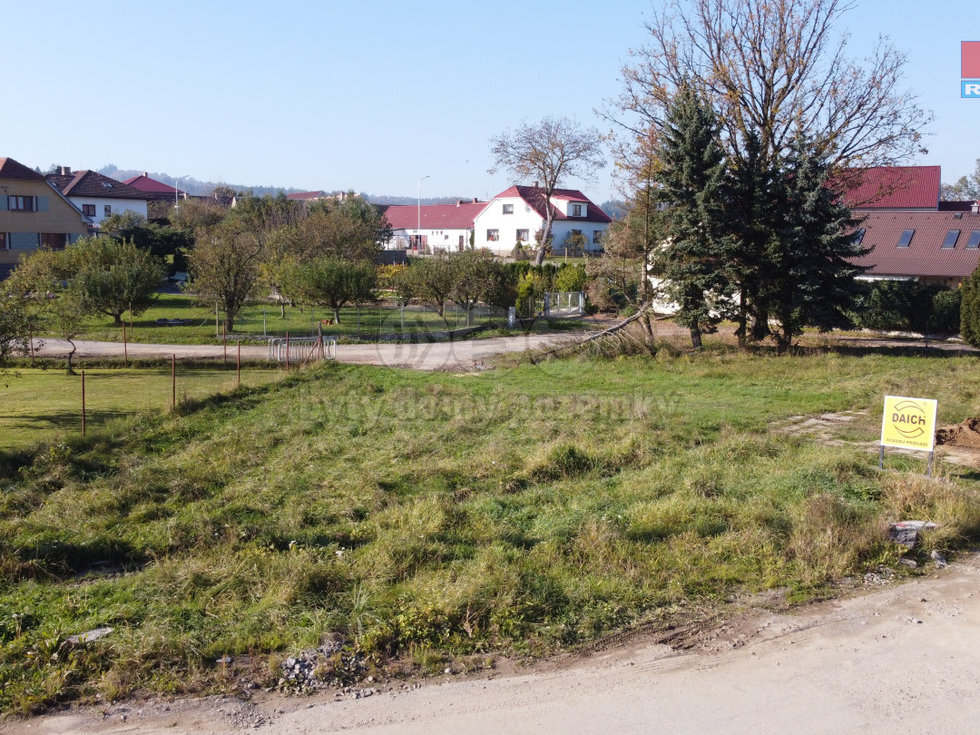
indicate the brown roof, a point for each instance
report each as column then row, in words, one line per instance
column 157, row 189
column 925, row 256
column 93, row 184
column 11, row 169
column 306, row 196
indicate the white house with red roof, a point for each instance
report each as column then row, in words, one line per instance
column 98, row 196
column 433, row 227
column 516, row 214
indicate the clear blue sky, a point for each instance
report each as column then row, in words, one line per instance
column 370, row 95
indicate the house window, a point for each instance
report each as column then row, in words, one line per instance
column 20, row 204
column 522, row 236
column 576, row 210
column 906, row 238
column 596, row 237
column 493, row 235
column 858, row 236
column 3, row 240
column 508, row 209
column 974, row 242
column 951, row 237
column 107, row 210
column 88, row 210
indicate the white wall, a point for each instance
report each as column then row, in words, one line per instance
column 447, row 239
column 118, row 206
column 526, row 218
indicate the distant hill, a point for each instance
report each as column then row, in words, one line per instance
column 200, row 188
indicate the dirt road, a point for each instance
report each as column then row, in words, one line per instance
column 900, row 658
column 458, row 355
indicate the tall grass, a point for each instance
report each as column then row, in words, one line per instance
column 425, row 516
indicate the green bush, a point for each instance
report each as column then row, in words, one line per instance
column 909, row 306
column 970, row 310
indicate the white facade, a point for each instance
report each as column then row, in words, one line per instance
column 431, row 241
column 507, row 220
column 98, row 208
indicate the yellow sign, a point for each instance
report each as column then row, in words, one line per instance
column 909, row 423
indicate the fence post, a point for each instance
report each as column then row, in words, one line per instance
column 224, row 346
column 287, row 352
column 83, row 403
column 173, row 382
column 125, row 347
column 238, row 367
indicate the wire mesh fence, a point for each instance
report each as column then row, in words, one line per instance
column 48, row 405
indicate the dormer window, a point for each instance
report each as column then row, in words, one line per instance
column 508, row 209
column 576, row 210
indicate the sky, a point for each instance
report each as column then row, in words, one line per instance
column 373, row 95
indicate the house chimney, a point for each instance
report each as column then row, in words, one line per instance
column 975, row 208
column 459, row 202
column 146, row 175
column 476, row 200
column 535, row 184
column 64, row 170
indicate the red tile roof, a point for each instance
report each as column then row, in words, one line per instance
column 892, row 187
column 93, row 184
column 145, row 184
column 534, row 196
column 11, row 169
column 925, row 256
column 434, row 216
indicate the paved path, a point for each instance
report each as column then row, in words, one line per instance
column 457, row 355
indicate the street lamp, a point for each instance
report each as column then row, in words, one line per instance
column 177, row 191
column 419, row 230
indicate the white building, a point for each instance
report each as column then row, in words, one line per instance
column 433, row 227
column 518, row 213
column 97, row 196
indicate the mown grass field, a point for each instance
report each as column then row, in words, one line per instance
column 264, row 319
column 46, row 405
column 420, row 518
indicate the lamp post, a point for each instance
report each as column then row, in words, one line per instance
column 177, row 191
column 419, row 230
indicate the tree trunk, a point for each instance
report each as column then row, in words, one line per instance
column 229, row 324
column 117, row 319
column 282, row 309
column 743, row 321
column 696, row 338
column 648, row 336
column 336, row 315
column 70, row 368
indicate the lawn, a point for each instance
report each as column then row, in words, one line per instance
column 45, row 405
column 423, row 520
column 257, row 320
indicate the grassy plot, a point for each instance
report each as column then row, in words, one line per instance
column 198, row 324
column 46, row 405
column 425, row 516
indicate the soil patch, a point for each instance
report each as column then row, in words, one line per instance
column 965, row 434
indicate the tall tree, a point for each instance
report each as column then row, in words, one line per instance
column 809, row 277
column 775, row 67
column 692, row 177
column 225, row 266
column 549, row 152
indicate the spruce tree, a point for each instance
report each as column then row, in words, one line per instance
column 808, row 279
column 692, row 176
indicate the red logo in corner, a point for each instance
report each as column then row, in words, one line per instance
column 970, row 60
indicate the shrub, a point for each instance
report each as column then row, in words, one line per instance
column 970, row 310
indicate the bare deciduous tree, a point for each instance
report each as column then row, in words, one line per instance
column 548, row 152
column 775, row 67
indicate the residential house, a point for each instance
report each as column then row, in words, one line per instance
column 155, row 190
column 432, row 227
column 33, row 214
column 96, row 195
column 516, row 214
column 911, row 234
